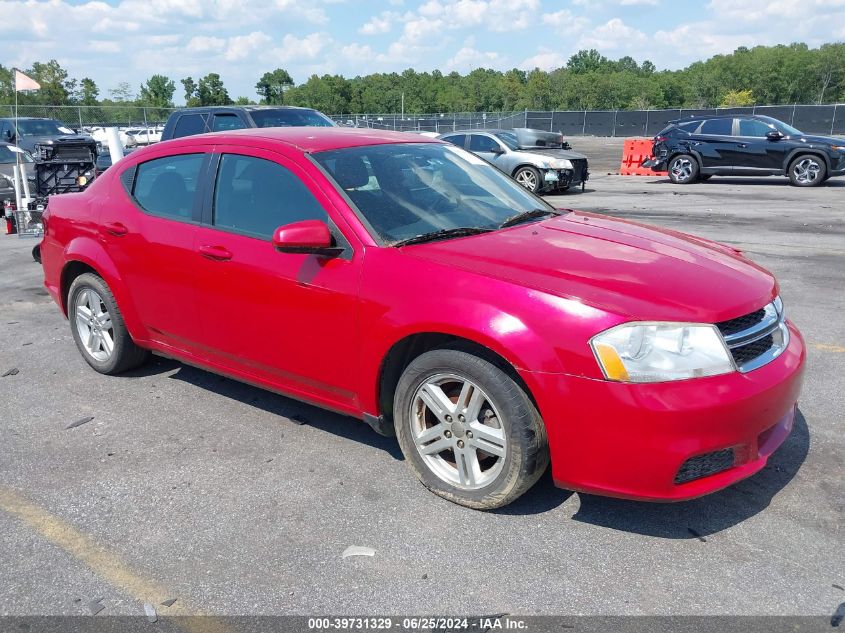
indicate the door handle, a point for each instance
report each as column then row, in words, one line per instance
column 743, row 145
column 217, row 253
column 116, row 228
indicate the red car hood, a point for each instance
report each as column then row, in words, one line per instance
column 623, row 267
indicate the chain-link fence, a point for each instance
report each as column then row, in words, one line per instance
column 78, row 117
column 812, row 119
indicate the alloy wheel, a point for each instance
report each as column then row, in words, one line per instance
column 94, row 325
column 682, row 169
column 527, row 179
column 458, row 431
column 806, row 170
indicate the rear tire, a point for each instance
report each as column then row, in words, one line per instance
column 468, row 431
column 98, row 328
column 807, row 170
column 529, row 178
column 683, row 169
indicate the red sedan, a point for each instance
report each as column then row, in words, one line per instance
column 405, row 282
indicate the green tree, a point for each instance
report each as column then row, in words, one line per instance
column 158, row 92
column 587, row 61
column 122, row 93
column 211, row 91
column 54, row 82
column 190, row 86
column 737, row 98
column 87, row 92
column 273, row 85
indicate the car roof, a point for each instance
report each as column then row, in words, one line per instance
column 310, row 139
column 237, row 107
column 701, row 117
column 477, row 131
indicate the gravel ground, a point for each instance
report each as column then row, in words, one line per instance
column 190, row 486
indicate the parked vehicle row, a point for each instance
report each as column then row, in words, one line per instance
column 728, row 145
column 407, row 282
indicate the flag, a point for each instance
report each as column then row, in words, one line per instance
column 23, row 82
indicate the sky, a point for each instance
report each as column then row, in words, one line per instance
column 129, row 40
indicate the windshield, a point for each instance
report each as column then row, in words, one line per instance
column 508, row 138
column 8, row 153
column 42, row 127
column 405, row 190
column 782, row 127
column 290, row 118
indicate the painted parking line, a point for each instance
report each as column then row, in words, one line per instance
column 106, row 564
column 836, row 349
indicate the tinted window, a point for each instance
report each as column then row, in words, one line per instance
column 9, row 152
column 456, row 139
column 721, row 127
column 290, row 118
column 690, row 127
column 188, row 125
column 478, row 143
column 256, row 196
column 227, row 122
column 752, row 127
column 508, row 138
column 168, row 186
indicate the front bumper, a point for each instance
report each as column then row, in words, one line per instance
column 562, row 178
column 633, row 440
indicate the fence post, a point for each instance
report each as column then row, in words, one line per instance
column 615, row 117
column 552, row 121
column 79, row 113
column 833, row 119
column 792, row 120
column 145, row 122
column 525, row 123
column 584, row 124
column 645, row 131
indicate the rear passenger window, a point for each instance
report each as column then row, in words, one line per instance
column 167, row 186
column 690, row 127
column 256, row 196
column 720, row 127
column 479, row 143
column 227, row 122
column 188, row 125
column 456, row 139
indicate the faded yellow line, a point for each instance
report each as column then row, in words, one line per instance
column 103, row 562
column 836, row 349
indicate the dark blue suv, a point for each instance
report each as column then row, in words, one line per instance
column 745, row 145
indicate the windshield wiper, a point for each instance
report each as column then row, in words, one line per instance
column 524, row 216
column 441, row 235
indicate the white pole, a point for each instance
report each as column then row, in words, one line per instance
column 115, row 146
column 26, row 196
column 17, row 186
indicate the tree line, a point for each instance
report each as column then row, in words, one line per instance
column 765, row 75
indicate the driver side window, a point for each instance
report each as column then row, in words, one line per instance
column 479, row 143
column 255, row 196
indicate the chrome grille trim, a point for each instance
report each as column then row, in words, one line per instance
column 772, row 324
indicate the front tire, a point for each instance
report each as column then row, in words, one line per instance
column 98, row 329
column 807, row 170
column 683, row 169
column 529, row 178
column 468, row 431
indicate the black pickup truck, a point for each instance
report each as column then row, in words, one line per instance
column 190, row 121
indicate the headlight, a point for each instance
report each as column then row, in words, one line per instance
column 658, row 352
column 560, row 163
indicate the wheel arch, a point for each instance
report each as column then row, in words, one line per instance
column 403, row 352
column 800, row 151
column 521, row 165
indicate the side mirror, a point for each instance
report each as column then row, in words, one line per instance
column 308, row 237
column 499, row 150
column 8, row 134
column 774, row 135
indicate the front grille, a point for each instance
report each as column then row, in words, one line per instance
column 741, row 323
column 705, row 465
column 756, row 338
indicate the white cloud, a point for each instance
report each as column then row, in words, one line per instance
column 544, row 61
column 379, row 24
column 468, row 58
column 243, row 46
column 614, row 35
column 565, row 22
column 205, row 44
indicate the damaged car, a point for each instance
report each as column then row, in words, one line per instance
column 542, row 162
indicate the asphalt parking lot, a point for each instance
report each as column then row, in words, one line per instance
column 233, row 500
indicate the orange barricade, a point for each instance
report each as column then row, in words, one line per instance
column 634, row 153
